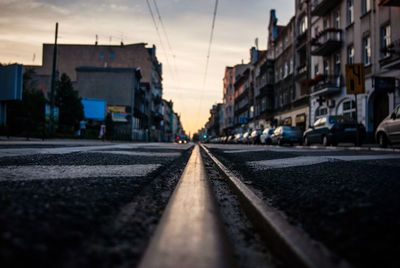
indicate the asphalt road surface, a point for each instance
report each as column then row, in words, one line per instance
column 97, row 204
column 346, row 199
column 83, row 203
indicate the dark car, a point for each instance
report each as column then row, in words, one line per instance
column 286, row 134
column 254, row 137
column 230, row 139
column 330, row 130
column 388, row 131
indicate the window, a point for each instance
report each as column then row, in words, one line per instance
column 350, row 55
column 337, row 64
column 291, row 66
column 366, row 44
column 326, row 67
column 316, row 31
column 325, row 23
column 336, row 24
column 286, row 69
column 365, row 6
column 319, row 113
column 316, row 69
column 350, row 12
column 303, row 25
column 385, row 41
column 337, row 19
column 349, row 109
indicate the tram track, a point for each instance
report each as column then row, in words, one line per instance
column 180, row 242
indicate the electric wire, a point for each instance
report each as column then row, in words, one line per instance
column 175, row 70
column 166, row 37
column 208, row 58
column 158, row 33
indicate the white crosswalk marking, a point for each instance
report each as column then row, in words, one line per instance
column 138, row 153
column 277, row 149
column 63, row 172
column 311, row 160
column 66, row 150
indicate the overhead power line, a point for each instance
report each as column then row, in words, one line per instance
column 208, row 58
column 167, row 38
column 210, row 42
column 158, row 33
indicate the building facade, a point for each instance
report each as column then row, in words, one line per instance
column 72, row 57
column 355, row 32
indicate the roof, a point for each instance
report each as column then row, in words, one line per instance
column 106, row 69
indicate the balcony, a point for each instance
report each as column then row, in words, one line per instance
column 326, row 42
column 322, row 7
column 390, row 3
column 323, row 85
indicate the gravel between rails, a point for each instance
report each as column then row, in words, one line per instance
column 351, row 208
column 83, row 222
column 249, row 248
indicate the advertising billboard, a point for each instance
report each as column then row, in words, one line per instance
column 94, row 109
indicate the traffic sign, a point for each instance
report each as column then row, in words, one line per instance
column 355, row 78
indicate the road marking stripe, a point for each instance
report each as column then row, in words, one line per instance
column 277, row 149
column 71, row 172
column 66, row 150
column 311, row 160
column 138, row 153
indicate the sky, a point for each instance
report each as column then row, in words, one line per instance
column 26, row 24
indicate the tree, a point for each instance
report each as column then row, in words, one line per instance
column 68, row 102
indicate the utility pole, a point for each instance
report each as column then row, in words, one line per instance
column 53, row 83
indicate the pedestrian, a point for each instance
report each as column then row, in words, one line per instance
column 83, row 128
column 77, row 128
column 102, row 133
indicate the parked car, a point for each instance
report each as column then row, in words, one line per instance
column 286, row 134
column 330, row 130
column 388, row 131
column 265, row 137
column 254, row 137
column 230, row 139
column 238, row 138
column 246, row 136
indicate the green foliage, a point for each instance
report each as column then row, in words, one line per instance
column 69, row 103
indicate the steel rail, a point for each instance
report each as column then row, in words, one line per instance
column 291, row 245
column 190, row 232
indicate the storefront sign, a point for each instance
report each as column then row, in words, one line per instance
column 118, row 113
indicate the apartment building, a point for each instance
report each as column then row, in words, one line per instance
column 263, row 92
column 92, row 60
column 287, row 47
column 228, row 100
column 349, row 32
